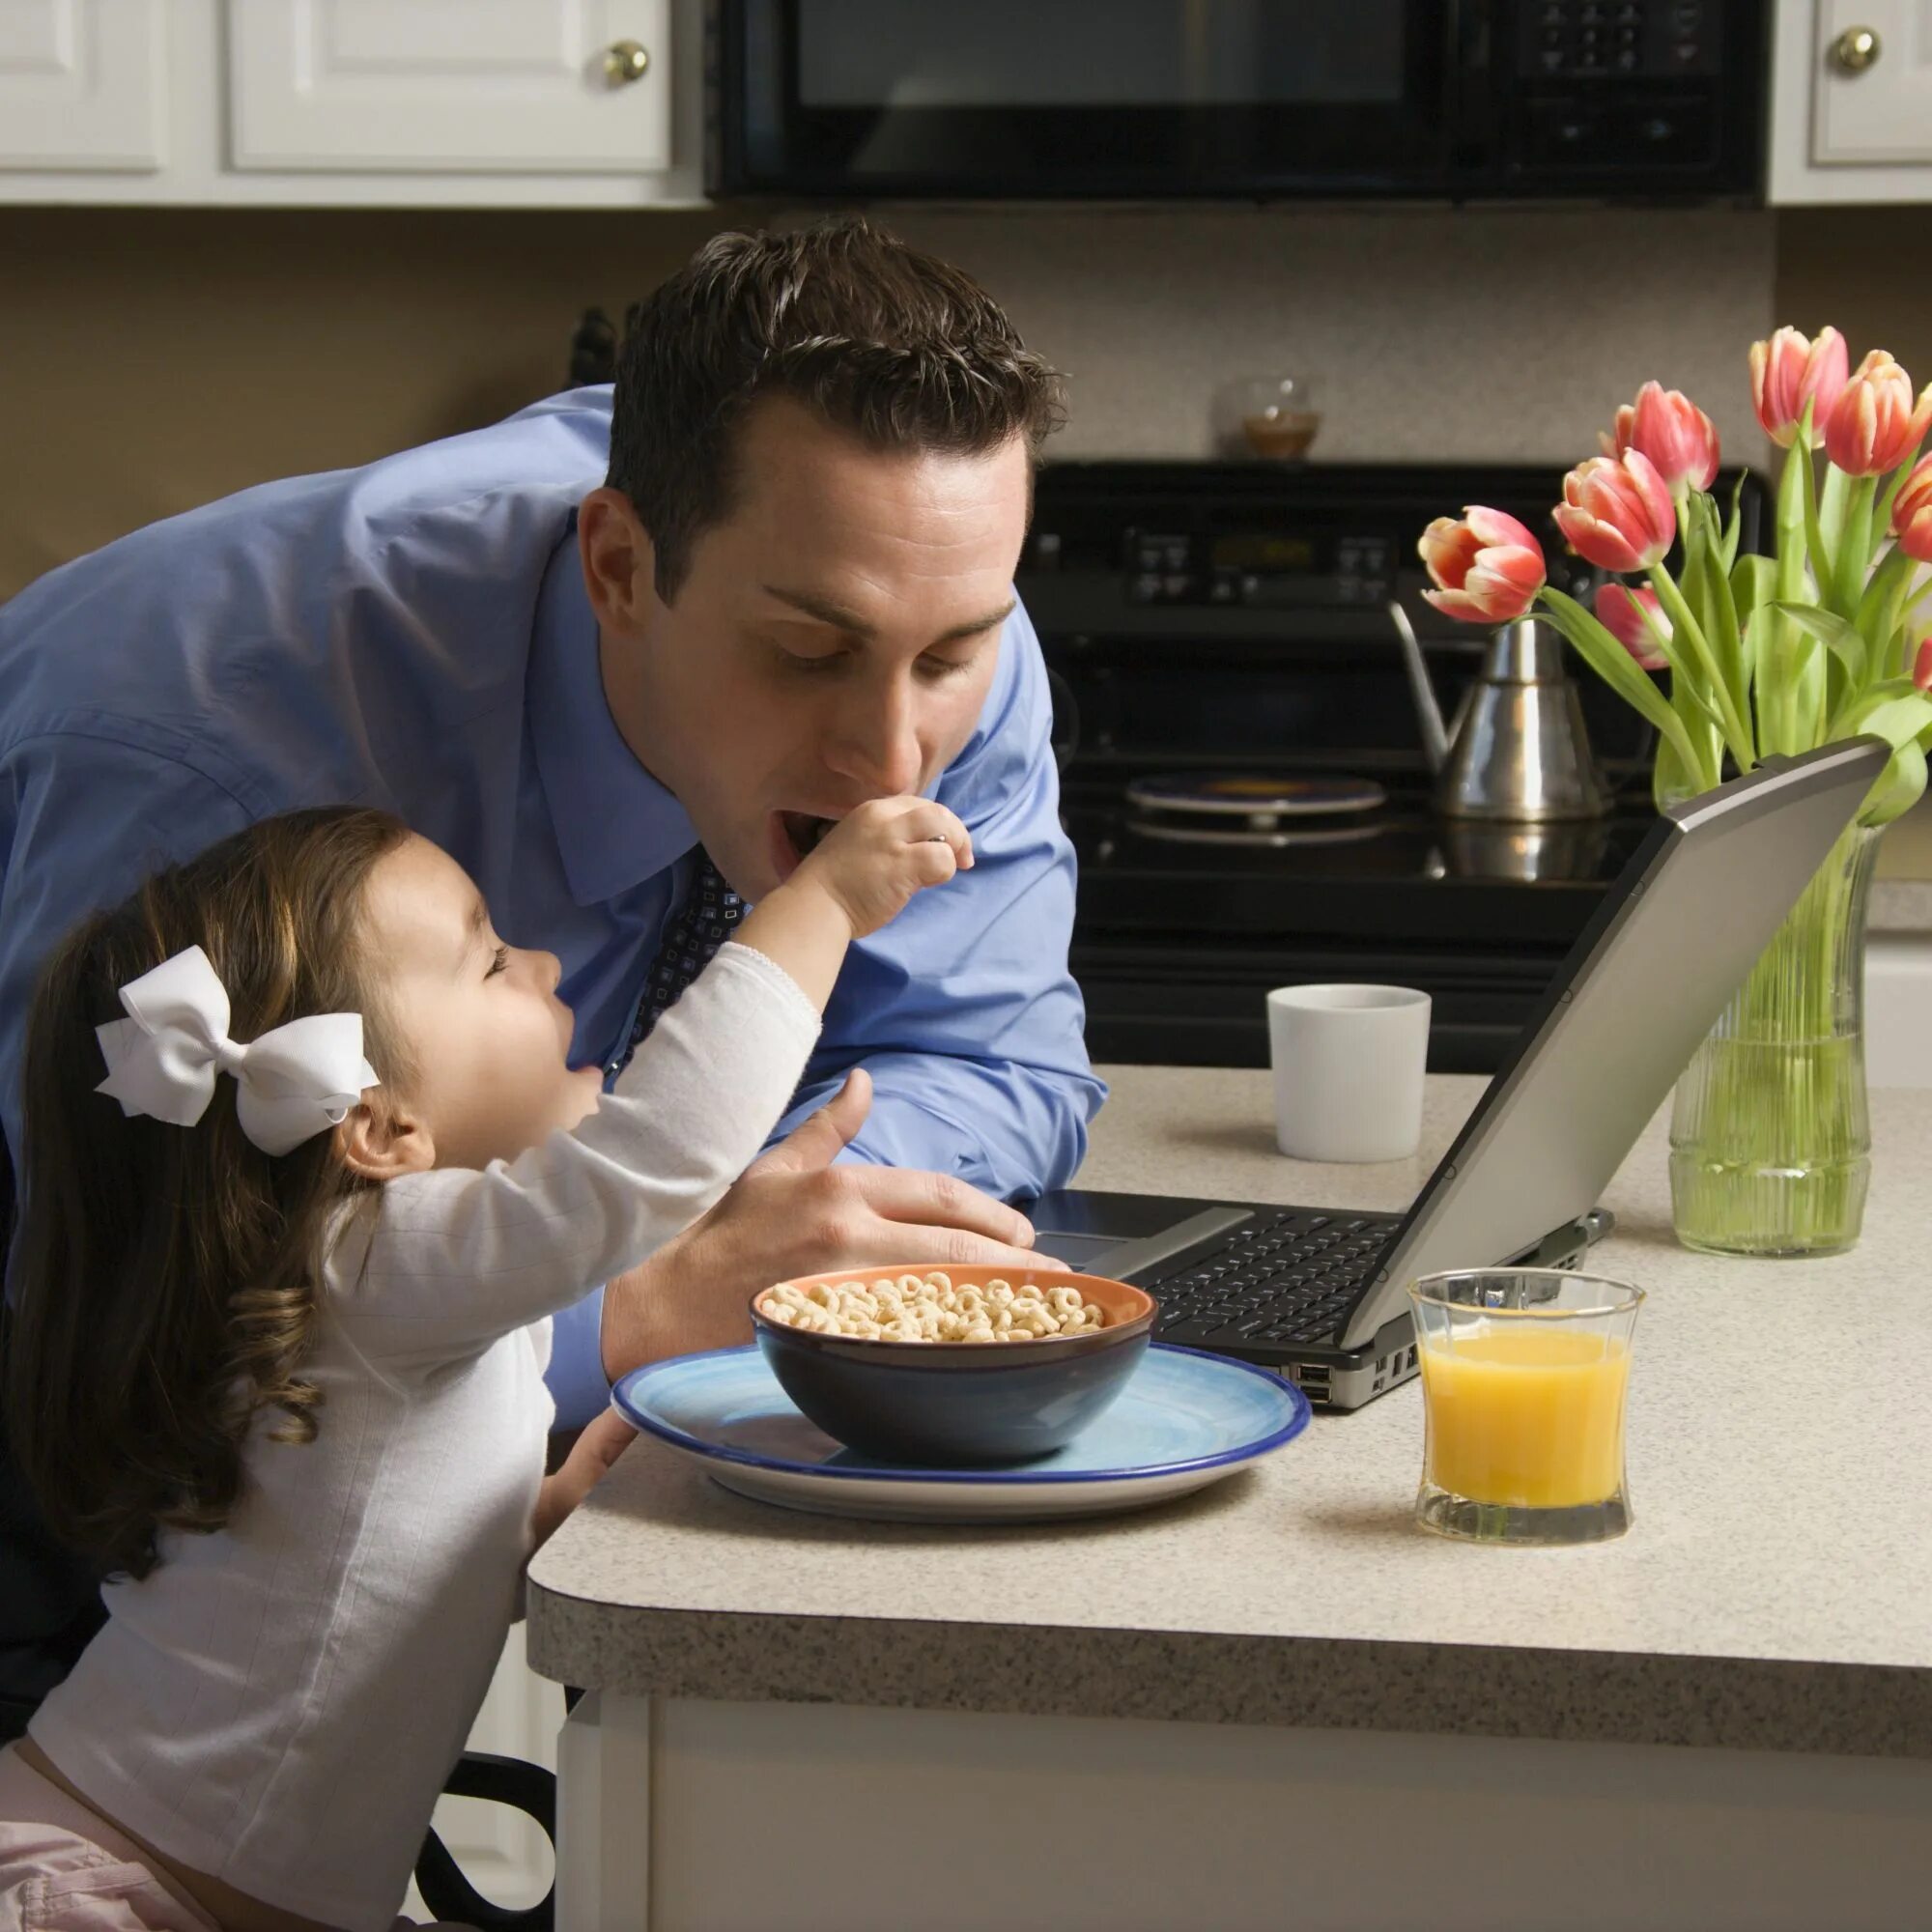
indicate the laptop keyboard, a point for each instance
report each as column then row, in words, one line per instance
column 1279, row 1278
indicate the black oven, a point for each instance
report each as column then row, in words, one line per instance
column 1130, row 100
column 1244, row 776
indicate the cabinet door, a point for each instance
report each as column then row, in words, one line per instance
column 498, row 86
column 1879, row 111
column 82, row 84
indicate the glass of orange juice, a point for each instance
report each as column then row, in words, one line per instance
column 1523, row 1376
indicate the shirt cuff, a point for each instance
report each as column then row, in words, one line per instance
column 575, row 1377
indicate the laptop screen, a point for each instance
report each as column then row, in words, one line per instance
column 1674, row 939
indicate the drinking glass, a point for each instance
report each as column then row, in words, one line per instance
column 1524, row 1372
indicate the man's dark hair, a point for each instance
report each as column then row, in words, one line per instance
column 901, row 350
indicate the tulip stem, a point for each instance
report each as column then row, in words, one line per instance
column 1737, row 733
column 1855, row 548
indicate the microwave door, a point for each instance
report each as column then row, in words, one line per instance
column 1065, row 98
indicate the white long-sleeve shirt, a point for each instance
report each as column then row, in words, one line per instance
column 278, row 1704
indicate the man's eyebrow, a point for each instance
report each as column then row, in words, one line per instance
column 853, row 625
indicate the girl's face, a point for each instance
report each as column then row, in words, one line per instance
column 482, row 1020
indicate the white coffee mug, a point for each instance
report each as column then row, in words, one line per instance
column 1348, row 1064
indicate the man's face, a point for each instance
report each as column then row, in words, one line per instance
column 833, row 642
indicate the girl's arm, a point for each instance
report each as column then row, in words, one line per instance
column 454, row 1258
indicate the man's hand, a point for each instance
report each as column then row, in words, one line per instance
column 793, row 1212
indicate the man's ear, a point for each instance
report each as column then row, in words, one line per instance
column 381, row 1141
column 619, row 563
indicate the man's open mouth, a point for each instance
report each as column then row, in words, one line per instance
column 794, row 834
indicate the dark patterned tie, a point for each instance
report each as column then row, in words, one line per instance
column 700, row 925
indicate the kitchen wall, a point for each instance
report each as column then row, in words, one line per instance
column 1867, row 269
column 151, row 359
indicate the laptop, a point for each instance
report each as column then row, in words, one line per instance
column 1320, row 1294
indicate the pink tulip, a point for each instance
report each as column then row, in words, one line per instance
column 1921, row 670
column 1790, row 370
column 1874, row 425
column 1615, row 439
column 1680, row 440
column 1911, row 513
column 1488, row 567
column 1620, row 611
column 1616, row 512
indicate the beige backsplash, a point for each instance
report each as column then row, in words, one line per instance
column 153, row 359
column 1491, row 335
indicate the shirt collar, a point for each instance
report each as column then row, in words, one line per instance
column 615, row 824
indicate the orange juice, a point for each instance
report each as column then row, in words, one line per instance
column 1526, row 1413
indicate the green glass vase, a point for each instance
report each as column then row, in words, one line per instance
column 1770, row 1137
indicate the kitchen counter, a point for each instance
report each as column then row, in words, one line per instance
column 1771, row 1596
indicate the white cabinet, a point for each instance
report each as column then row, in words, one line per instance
column 529, row 86
column 422, row 103
column 83, row 84
column 1898, row 1009
column 1852, row 102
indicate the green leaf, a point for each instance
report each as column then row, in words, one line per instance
column 1899, row 786
column 1808, row 700
column 1831, row 630
column 1855, row 547
column 1688, row 637
column 1723, row 628
column 1895, row 710
column 1832, row 495
column 1615, row 665
column 1798, row 458
column 1753, row 582
column 1734, row 523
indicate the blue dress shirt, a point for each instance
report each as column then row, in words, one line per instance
column 416, row 634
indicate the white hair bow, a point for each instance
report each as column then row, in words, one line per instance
column 294, row 1082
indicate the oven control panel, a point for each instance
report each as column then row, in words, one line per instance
column 1267, row 569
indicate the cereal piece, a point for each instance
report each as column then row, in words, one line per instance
column 929, row 1308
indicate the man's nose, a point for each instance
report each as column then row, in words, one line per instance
column 552, row 968
column 876, row 745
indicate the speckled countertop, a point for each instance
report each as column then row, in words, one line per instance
column 1773, row 1593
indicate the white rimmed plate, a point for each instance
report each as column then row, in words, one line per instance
column 1185, row 1419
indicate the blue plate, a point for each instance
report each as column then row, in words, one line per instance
column 1184, row 1419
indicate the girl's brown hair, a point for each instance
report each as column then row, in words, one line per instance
column 165, row 1278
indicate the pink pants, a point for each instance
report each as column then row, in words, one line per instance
column 62, row 1870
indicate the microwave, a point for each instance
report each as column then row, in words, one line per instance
column 1237, row 99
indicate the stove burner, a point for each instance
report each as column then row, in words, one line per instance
column 1260, row 803
column 1253, row 837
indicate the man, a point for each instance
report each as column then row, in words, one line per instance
column 791, row 592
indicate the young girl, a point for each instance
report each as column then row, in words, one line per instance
column 281, row 1325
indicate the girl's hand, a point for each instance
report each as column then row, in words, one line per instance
column 588, row 1462
column 878, row 856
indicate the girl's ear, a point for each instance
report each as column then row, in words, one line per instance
column 381, row 1141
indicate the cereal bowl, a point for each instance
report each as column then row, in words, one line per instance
column 957, row 1402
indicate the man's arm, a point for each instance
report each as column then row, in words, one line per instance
column 963, row 1010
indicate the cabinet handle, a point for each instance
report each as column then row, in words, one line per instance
column 625, row 61
column 1856, row 49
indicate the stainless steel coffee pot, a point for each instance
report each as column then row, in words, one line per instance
column 1518, row 749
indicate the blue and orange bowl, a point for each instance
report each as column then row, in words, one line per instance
column 959, row 1405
